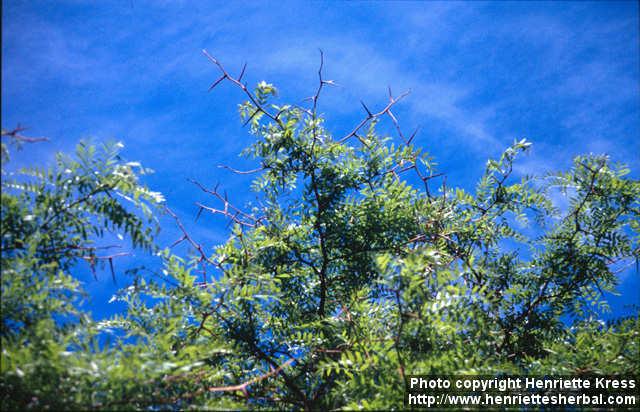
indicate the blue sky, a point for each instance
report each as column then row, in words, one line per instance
column 563, row 75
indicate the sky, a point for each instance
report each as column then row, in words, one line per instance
column 565, row 76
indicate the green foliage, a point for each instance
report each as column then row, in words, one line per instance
column 52, row 219
column 346, row 277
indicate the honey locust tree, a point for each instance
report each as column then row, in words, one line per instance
column 357, row 267
column 352, row 271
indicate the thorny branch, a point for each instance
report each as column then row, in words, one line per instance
column 92, row 263
column 16, row 134
column 243, row 386
column 321, row 83
column 245, row 219
column 373, row 116
column 186, row 237
column 407, row 141
column 316, row 97
column 238, row 82
column 230, row 211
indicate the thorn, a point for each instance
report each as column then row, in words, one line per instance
column 113, row 273
column 217, row 82
column 200, row 209
column 92, row 264
column 390, row 94
column 183, row 238
column 321, row 63
column 413, row 135
column 361, row 140
column 242, row 72
column 366, row 108
column 252, row 116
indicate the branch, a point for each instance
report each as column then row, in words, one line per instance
column 241, row 172
column 229, row 210
column 373, row 116
column 92, row 263
column 185, row 236
column 243, row 386
column 15, row 134
column 238, row 82
column 100, row 188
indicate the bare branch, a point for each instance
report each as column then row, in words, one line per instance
column 243, row 386
column 412, row 136
column 238, row 82
column 232, row 216
column 241, row 172
column 316, row 97
column 185, row 236
column 374, row 116
column 320, row 84
column 217, row 82
column 366, row 109
column 230, row 211
column 15, row 134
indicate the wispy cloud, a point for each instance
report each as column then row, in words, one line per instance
column 481, row 74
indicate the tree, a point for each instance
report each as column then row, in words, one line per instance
column 51, row 220
column 354, row 270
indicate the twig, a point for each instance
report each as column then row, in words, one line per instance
column 15, row 134
column 373, row 116
column 241, row 172
column 243, row 386
column 229, row 211
column 185, row 236
column 238, row 82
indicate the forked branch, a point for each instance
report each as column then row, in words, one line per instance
column 230, row 211
column 238, row 82
column 16, row 135
column 243, row 386
column 373, row 116
column 186, row 237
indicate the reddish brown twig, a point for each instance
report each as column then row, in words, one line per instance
column 230, row 211
column 242, row 172
column 321, row 83
column 188, row 238
column 15, row 134
column 92, row 259
column 372, row 116
column 243, row 386
column 238, row 82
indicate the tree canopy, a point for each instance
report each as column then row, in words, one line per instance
column 358, row 264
